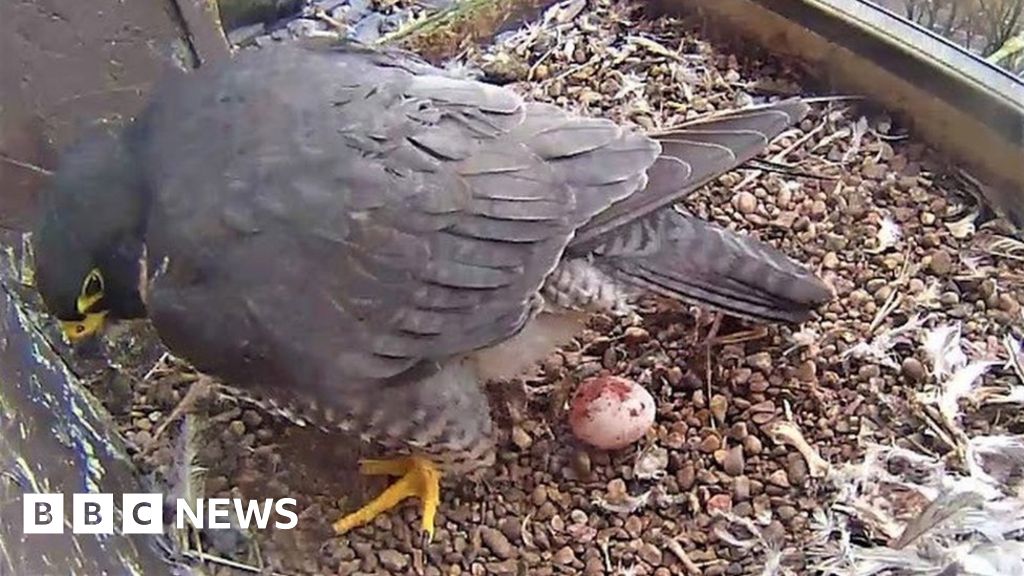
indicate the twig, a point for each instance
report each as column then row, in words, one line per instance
column 205, row 557
column 677, row 550
column 533, row 69
column 836, row 98
column 1006, row 247
column 753, row 175
column 788, row 433
column 333, row 22
column 569, row 71
column 200, row 388
column 525, row 534
column 655, row 48
column 894, row 299
column 25, row 165
column 941, row 433
column 1014, row 358
column 778, row 168
column 941, row 509
column 860, row 128
column 603, row 544
column 159, row 366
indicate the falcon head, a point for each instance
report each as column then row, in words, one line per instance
column 88, row 243
column 82, row 314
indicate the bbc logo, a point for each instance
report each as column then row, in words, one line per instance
column 93, row 513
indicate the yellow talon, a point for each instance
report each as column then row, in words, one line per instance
column 418, row 477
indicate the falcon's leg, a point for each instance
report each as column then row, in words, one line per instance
column 444, row 413
column 418, row 477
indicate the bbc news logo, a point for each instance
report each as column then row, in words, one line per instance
column 94, row 513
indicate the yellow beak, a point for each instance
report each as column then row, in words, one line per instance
column 76, row 330
column 85, row 303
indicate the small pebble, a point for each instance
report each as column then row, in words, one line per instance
column 741, row 488
column 774, row 532
column 650, row 554
column 913, row 370
column 635, row 335
column 720, row 502
column 734, row 461
column 719, row 406
column 564, row 556
column 686, row 476
column 745, row 202
column 539, row 496
column 710, row 443
column 807, row 371
column 752, row 445
column 1009, row 304
column 786, row 512
column 779, row 478
column 796, row 469
column 497, row 542
column 521, row 438
column 142, row 439
column 760, row 361
column 738, row 431
column 941, row 263
column 634, row 526
column 393, row 560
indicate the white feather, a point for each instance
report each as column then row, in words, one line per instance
column 942, row 344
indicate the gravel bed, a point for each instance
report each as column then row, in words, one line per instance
column 756, row 463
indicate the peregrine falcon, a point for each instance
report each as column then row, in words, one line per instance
column 368, row 237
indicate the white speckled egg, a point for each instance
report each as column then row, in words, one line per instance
column 610, row 412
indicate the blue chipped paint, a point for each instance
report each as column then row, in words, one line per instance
column 73, row 415
column 43, row 407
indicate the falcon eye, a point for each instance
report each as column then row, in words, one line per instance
column 91, row 293
column 93, row 285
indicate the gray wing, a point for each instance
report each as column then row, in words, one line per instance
column 692, row 155
column 677, row 255
column 643, row 241
column 342, row 224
